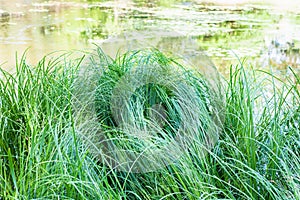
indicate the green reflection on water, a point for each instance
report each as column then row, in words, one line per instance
column 248, row 30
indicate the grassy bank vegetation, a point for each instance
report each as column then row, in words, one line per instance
column 44, row 156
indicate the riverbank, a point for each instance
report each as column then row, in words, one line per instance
column 45, row 155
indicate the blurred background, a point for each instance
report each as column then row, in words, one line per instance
column 266, row 33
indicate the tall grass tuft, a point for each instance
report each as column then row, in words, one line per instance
column 40, row 154
column 44, row 154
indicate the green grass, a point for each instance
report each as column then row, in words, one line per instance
column 47, row 129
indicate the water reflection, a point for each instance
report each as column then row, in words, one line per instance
column 222, row 31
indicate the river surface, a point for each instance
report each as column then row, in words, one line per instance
column 265, row 35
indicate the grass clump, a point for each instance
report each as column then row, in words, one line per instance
column 40, row 154
column 145, row 101
column 48, row 127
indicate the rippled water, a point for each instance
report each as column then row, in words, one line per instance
column 263, row 34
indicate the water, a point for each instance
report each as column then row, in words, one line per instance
column 265, row 35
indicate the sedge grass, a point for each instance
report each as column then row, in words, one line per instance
column 44, row 156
